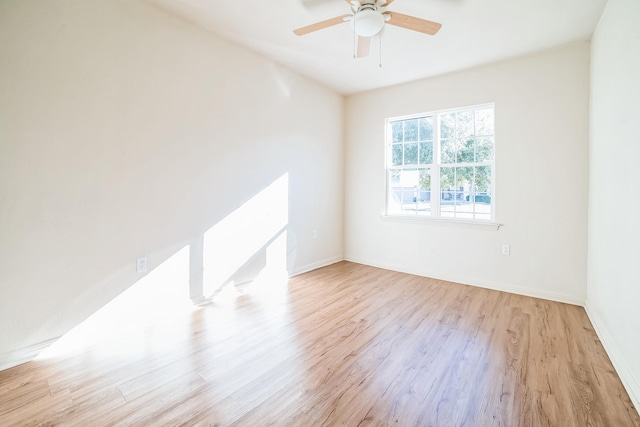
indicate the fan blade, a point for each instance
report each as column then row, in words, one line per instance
column 413, row 23
column 355, row 4
column 321, row 25
column 364, row 46
column 387, row 3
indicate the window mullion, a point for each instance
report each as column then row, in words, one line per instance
column 493, row 190
column 435, row 169
column 388, row 163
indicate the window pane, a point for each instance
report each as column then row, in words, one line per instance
column 484, row 149
column 411, row 130
column 396, row 131
column 396, row 154
column 465, row 151
column 484, row 122
column 464, row 183
column 464, row 210
column 447, row 183
column 394, row 176
column 395, row 190
column 464, row 177
column 411, row 154
column 408, row 199
column 425, row 180
column 426, row 153
column 482, row 193
column 447, row 151
column 409, row 192
column 464, row 124
column 483, row 179
column 447, row 210
column 409, row 177
column 424, row 193
column 447, row 125
column 426, row 128
column 395, row 200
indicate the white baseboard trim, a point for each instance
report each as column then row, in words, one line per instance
column 315, row 265
column 24, row 355
column 629, row 381
column 535, row 293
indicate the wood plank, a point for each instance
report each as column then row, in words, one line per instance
column 347, row 344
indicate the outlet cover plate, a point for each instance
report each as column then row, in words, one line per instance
column 141, row 265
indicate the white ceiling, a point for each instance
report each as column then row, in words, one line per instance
column 473, row 32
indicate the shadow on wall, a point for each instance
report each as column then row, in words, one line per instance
column 247, row 246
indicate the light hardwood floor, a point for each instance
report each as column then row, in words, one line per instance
column 343, row 345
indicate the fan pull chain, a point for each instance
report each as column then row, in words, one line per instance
column 355, row 40
column 380, row 50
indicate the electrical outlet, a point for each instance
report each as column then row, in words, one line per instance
column 315, row 234
column 141, row 265
column 506, row 249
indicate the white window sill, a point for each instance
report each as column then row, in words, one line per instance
column 443, row 222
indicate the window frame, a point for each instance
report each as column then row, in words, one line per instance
column 435, row 168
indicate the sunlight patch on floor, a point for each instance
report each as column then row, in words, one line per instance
column 154, row 300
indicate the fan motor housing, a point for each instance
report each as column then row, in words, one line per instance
column 367, row 21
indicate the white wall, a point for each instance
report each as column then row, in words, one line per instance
column 541, row 108
column 126, row 132
column 613, row 289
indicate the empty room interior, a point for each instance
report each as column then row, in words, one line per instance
column 407, row 213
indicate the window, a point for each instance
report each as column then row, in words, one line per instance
column 441, row 164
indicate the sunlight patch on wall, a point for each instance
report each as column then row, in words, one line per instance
column 241, row 246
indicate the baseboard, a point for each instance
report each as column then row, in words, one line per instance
column 629, row 381
column 23, row 355
column 535, row 293
column 315, row 265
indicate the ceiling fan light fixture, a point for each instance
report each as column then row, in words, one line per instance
column 367, row 22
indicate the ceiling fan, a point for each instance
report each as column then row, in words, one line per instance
column 367, row 19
